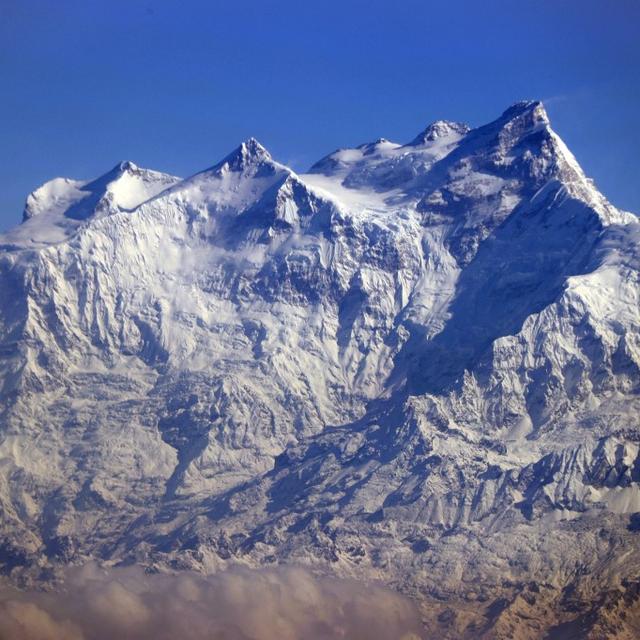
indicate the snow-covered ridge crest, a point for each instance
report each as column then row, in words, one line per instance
column 249, row 152
column 381, row 166
column 440, row 129
column 124, row 187
column 55, row 211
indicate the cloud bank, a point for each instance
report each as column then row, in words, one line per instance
column 241, row 604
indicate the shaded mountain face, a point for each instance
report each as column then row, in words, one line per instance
column 418, row 363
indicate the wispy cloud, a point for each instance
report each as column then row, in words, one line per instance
column 241, row 604
column 556, row 99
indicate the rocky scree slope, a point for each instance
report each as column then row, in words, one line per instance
column 418, row 363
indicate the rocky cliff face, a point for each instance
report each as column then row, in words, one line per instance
column 418, row 362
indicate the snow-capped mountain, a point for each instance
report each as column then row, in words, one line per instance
column 416, row 362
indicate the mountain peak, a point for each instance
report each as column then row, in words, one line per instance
column 440, row 129
column 253, row 150
column 123, row 187
column 531, row 112
column 53, row 194
column 126, row 165
column 122, row 168
column 249, row 153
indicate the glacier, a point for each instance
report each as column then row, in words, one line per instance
column 415, row 363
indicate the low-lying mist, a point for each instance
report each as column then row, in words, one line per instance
column 239, row 604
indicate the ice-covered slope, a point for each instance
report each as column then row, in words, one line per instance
column 63, row 205
column 416, row 362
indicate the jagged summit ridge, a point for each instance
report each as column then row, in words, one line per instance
column 533, row 108
column 249, row 153
column 440, row 129
column 415, row 361
column 125, row 186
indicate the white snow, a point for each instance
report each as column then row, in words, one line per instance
column 422, row 361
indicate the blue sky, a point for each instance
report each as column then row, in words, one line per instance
column 176, row 85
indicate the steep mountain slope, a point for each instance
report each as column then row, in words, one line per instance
column 416, row 362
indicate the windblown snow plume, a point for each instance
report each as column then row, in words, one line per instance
column 240, row 604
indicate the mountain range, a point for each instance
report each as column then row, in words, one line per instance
column 416, row 363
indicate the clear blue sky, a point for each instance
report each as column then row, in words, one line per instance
column 176, row 85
